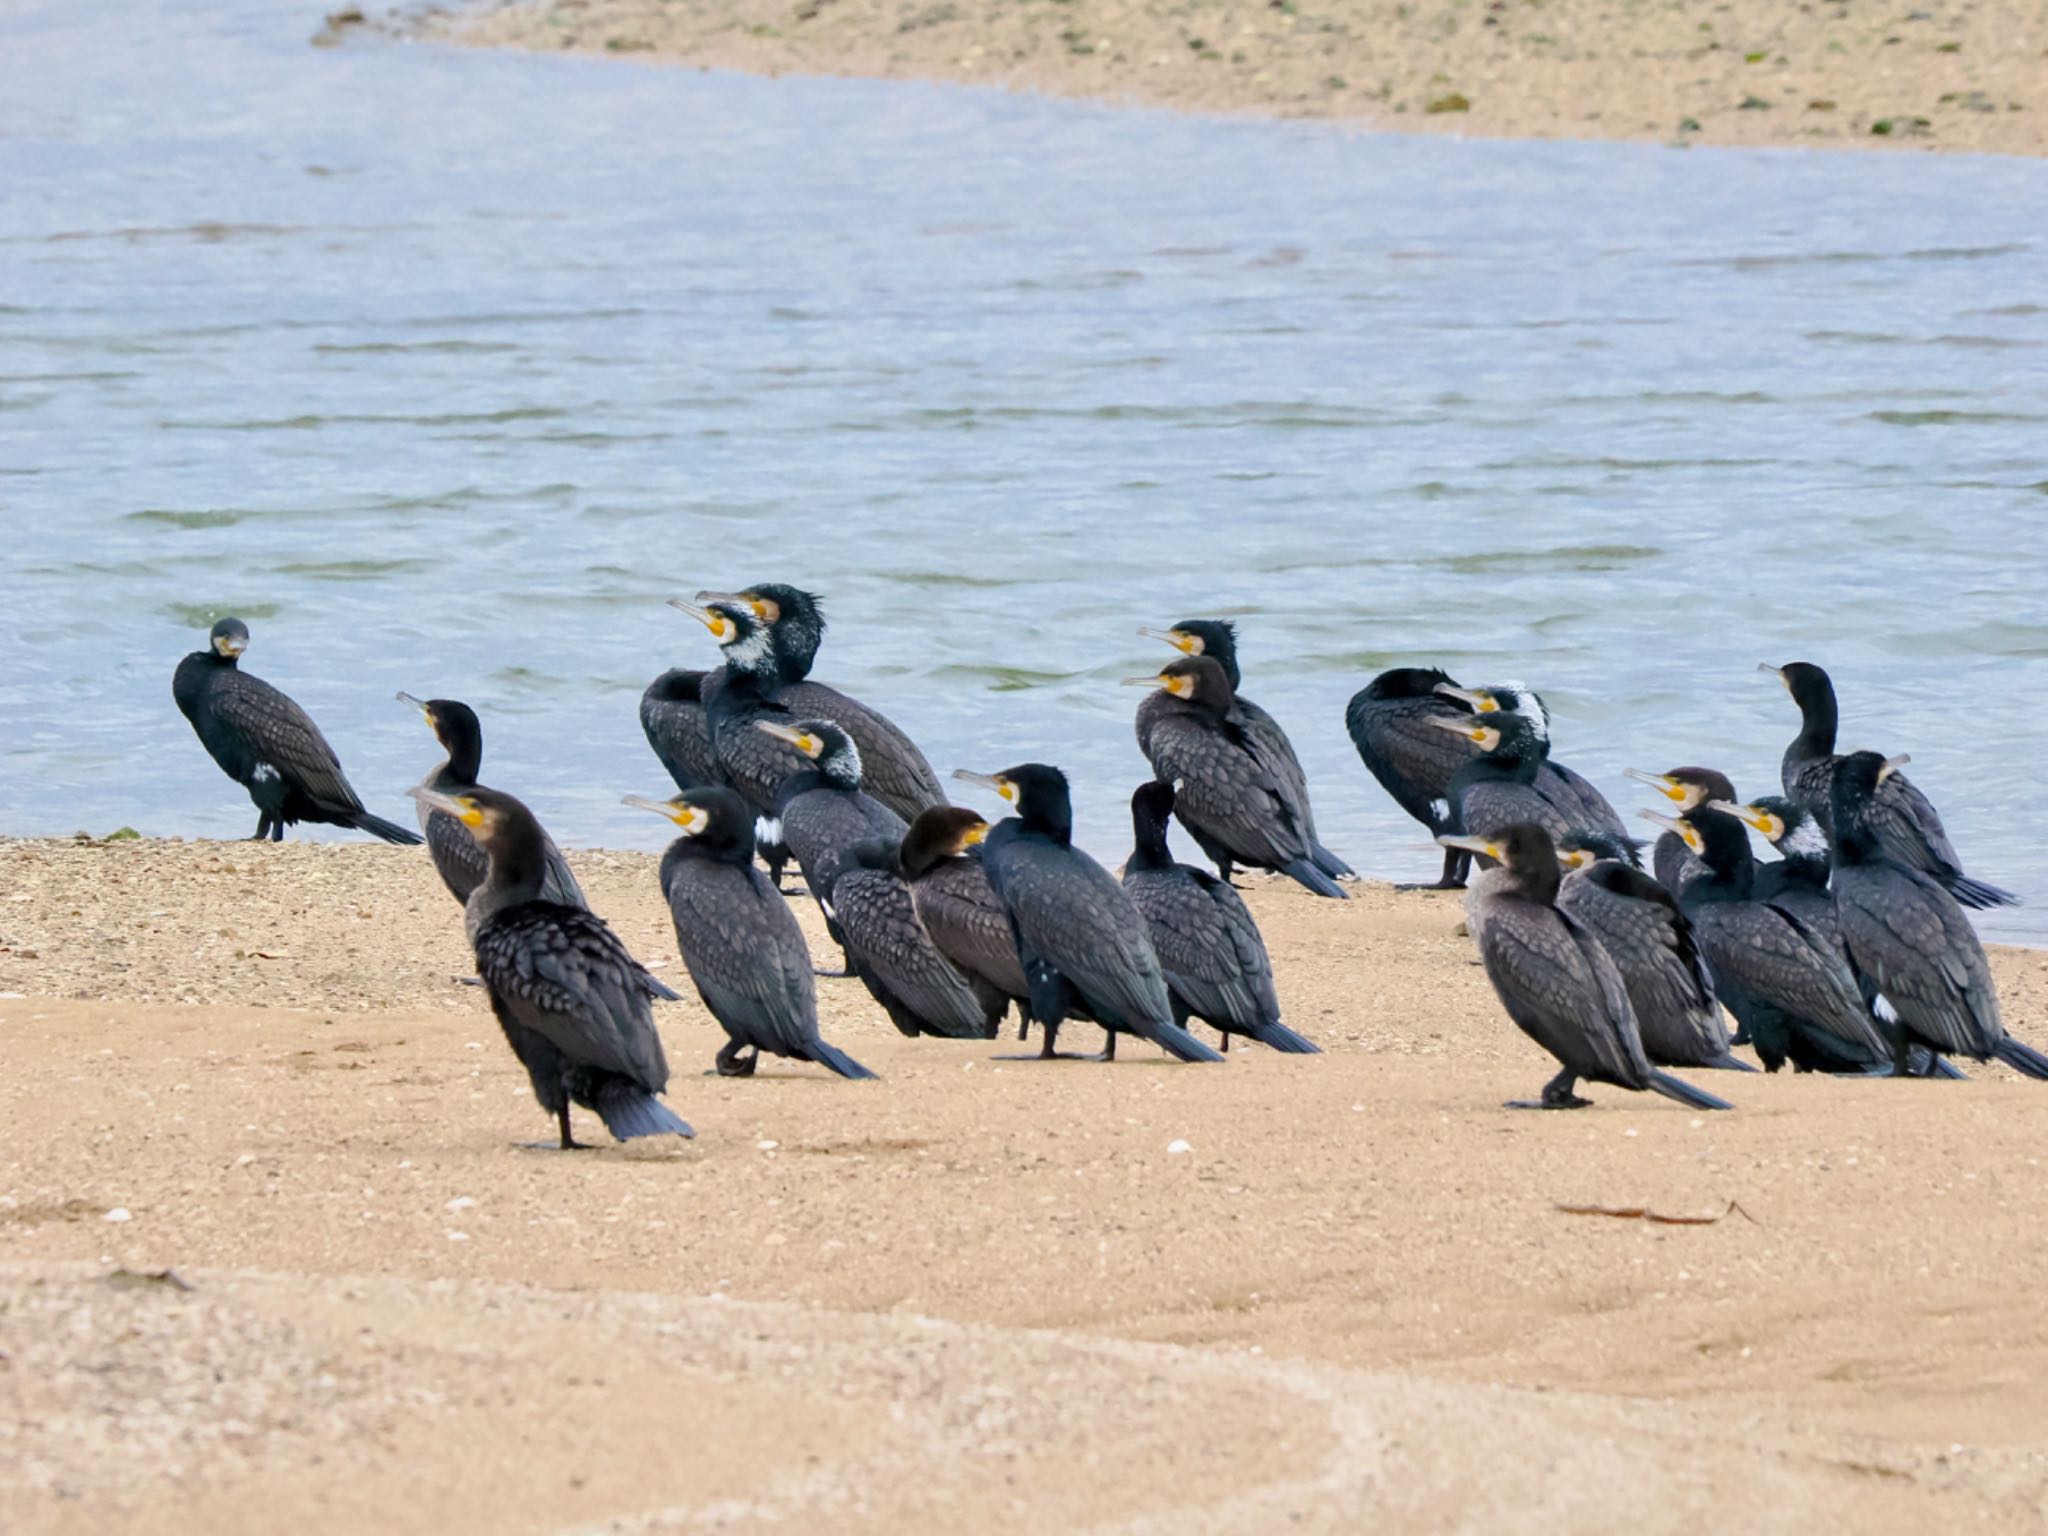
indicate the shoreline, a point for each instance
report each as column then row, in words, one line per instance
column 1955, row 76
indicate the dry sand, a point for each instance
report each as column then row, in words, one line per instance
column 975, row 1295
column 1935, row 74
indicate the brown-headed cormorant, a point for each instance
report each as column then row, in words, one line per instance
column 889, row 949
column 267, row 744
column 571, row 1000
column 941, row 861
column 1079, row 938
column 1557, row 981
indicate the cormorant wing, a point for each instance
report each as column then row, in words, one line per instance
column 1269, row 741
column 746, row 955
column 892, row 769
column 273, row 729
column 567, row 976
column 1649, row 938
column 1910, row 831
column 961, row 912
column 1069, row 911
column 753, row 762
column 1575, row 798
column 1483, row 805
column 1413, row 760
column 1227, row 792
column 1207, row 943
column 820, row 826
column 1565, row 993
column 1913, row 942
column 461, row 864
column 672, row 715
column 1764, row 951
column 895, row 956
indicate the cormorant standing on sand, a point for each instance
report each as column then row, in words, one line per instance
column 267, row 744
column 1217, row 639
column 571, row 1000
column 1230, row 797
column 888, row 948
column 823, row 810
column 738, row 937
column 1907, row 933
column 1904, row 822
column 1210, row 950
column 1556, row 980
column 1079, row 938
column 941, row 861
column 1389, row 722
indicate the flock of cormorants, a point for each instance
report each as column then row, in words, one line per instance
column 1848, row 953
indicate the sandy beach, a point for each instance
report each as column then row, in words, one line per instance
column 1961, row 74
column 274, row 1251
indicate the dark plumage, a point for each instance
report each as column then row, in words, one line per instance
column 1909, row 935
column 738, row 938
column 1230, row 795
column 1638, row 923
column 1210, row 950
column 941, row 861
column 888, row 948
column 823, row 810
column 1217, row 639
column 1557, row 981
column 897, row 773
column 267, row 744
column 1569, row 794
column 672, row 715
column 1672, row 859
column 571, row 1000
column 1079, row 938
column 1389, row 723
column 1497, row 788
column 458, row 857
column 1903, row 821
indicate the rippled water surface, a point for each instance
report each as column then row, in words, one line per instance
column 444, row 368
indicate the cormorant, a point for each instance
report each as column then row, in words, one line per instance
column 1079, row 938
column 1639, row 924
column 571, row 1000
column 1791, row 990
column 1557, row 981
column 672, row 715
column 1230, row 797
column 739, row 939
column 458, row 857
column 1570, row 794
column 267, row 744
column 1498, row 788
column 1217, row 639
column 1389, row 722
column 898, row 774
column 1672, row 860
column 1209, row 948
column 823, row 810
column 1907, row 933
column 1902, row 819
column 941, row 861
column 1798, row 881
column 888, row 948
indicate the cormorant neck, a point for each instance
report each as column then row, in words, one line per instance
column 1055, row 822
column 1150, row 852
column 465, row 759
column 1539, row 884
column 518, row 868
column 1817, row 722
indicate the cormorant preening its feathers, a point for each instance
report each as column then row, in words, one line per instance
column 1079, row 939
column 738, row 938
column 1389, row 721
column 571, row 1000
column 1556, row 979
column 672, row 715
column 1231, row 796
column 267, row 744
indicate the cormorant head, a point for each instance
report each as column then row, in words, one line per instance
column 1718, row 839
column 1785, row 826
column 456, row 727
column 1503, row 698
column 1039, row 793
column 825, row 744
column 1412, row 683
column 1199, row 679
column 1215, row 638
column 228, row 639
column 743, row 638
column 1151, row 808
column 499, row 823
column 1496, row 734
column 1858, row 777
column 1525, row 850
column 715, row 820
column 940, row 832
column 1686, row 787
column 795, row 620
column 1809, row 685
column 1578, row 849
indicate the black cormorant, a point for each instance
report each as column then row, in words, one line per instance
column 1079, row 938
column 1209, row 948
column 941, row 860
column 897, row 773
column 889, row 949
column 1498, row 788
column 1651, row 941
column 1906, row 932
column 1902, row 819
column 1570, row 794
column 1389, row 722
column 742, row 945
column 672, row 715
column 1230, row 797
column 1555, row 978
column 267, row 744
column 571, row 1000
column 823, row 810
column 1798, row 881
column 458, row 857
column 1217, row 639
column 1672, row 860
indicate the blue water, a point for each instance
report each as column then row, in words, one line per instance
column 444, row 368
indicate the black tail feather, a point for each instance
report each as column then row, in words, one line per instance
column 390, row 831
column 628, row 1110
column 2021, row 1057
column 1725, row 1062
column 1676, row 1088
column 659, row 989
column 838, row 1061
column 1283, row 1039
column 1978, row 893
column 1329, row 863
column 1179, row 1044
column 1305, row 872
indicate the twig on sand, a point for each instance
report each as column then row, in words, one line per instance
column 1643, row 1213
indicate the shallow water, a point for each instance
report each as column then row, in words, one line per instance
column 444, row 368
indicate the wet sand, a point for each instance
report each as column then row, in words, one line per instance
column 977, row 1293
column 1954, row 74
